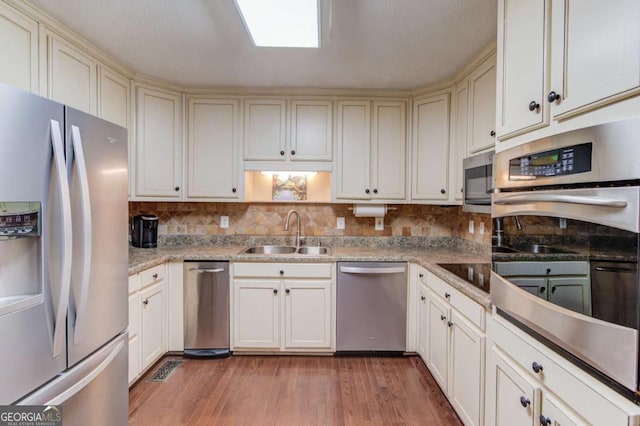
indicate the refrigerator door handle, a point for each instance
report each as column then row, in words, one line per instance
column 85, row 201
column 69, row 384
column 62, row 303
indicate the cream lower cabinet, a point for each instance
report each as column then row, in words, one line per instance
column 452, row 345
column 283, row 307
column 529, row 384
column 147, row 319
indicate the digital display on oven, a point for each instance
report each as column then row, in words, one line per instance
column 557, row 162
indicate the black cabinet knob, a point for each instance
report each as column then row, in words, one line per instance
column 544, row 421
column 421, row 275
column 281, row 152
column 287, row 291
column 234, row 190
column 450, row 324
column 553, row 96
column 177, row 188
column 492, row 133
column 145, row 302
column 447, row 295
column 542, row 289
column 375, row 190
column 533, row 105
column 293, row 152
column 537, row 368
column 275, row 291
column 443, row 191
column 366, row 191
column 525, row 401
column 423, row 298
column 155, row 276
column 548, row 271
column 442, row 318
column 281, row 272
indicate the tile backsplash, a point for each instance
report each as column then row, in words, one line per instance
column 411, row 220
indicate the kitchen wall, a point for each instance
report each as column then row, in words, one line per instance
column 316, row 220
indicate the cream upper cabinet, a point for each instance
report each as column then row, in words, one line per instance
column 18, row 49
column 523, row 31
column 158, row 144
column 430, row 151
column 311, row 130
column 213, row 149
column 71, row 75
column 594, row 53
column 482, row 106
column 458, row 150
column 265, row 129
column 371, row 150
column 113, row 103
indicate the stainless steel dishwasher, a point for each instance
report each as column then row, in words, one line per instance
column 371, row 307
column 206, row 309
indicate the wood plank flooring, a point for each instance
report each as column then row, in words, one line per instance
column 293, row 390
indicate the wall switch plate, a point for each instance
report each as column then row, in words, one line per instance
column 340, row 223
column 563, row 223
column 481, row 228
column 471, row 226
column 379, row 224
column 224, row 221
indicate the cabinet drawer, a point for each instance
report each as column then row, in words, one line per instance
column 507, row 269
column 134, row 283
column 467, row 307
column 574, row 387
column 152, row 275
column 284, row 270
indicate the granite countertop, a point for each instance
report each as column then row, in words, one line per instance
column 141, row 259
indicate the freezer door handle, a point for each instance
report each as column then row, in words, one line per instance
column 62, row 303
column 360, row 270
column 205, row 270
column 85, row 262
column 68, row 384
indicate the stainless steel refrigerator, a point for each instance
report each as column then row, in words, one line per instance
column 63, row 260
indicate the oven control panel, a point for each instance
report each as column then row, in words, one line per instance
column 19, row 220
column 556, row 162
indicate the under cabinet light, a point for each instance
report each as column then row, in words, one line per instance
column 281, row 23
column 289, row 173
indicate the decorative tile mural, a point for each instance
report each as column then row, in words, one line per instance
column 410, row 220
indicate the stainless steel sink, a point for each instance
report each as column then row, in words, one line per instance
column 270, row 250
column 313, row 250
column 540, row 249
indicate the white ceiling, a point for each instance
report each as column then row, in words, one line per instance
column 392, row 44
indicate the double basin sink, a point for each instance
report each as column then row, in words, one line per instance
column 530, row 249
column 306, row 250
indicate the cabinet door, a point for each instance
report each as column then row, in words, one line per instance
column 264, row 129
column 523, row 29
column 458, row 149
column 430, row 177
column 595, row 49
column 517, row 399
column 353, row 144
column 151, row 319
column 388, row 151
column 307, row 321
column 71, row 76
column 256, row 313
column 535, row 286
column 18, row 49
column 423, row 321
column 158, row 144
column 113, row 91
column 555, row 413
column 438, row 346
column 134, row 336
column 311, row 131
column 212, row 149
column 571, row 293
column 482, row 112
column 466, row 377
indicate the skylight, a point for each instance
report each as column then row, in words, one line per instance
column 281, row 23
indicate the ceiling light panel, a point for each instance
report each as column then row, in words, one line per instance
column 281, row 23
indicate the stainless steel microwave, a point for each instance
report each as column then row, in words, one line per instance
column 478, row 183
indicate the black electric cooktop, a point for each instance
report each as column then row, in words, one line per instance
column 477, row 274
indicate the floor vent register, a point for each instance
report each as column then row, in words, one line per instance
column 163, row 373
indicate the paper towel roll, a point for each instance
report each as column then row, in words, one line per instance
column 369, row 210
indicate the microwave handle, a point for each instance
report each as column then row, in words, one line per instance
column 560, row 198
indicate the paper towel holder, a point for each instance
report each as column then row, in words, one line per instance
column 383, row 209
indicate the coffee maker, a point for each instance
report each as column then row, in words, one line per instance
column 145, row 231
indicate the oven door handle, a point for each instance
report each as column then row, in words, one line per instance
column 559, row 198
column 613, row 269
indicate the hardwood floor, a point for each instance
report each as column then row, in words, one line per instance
column 293, row 390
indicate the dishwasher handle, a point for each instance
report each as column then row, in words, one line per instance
column 206, row 270
column 377, row 271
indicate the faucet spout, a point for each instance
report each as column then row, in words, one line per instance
column 286, row 225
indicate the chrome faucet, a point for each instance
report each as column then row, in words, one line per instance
column 286, row 225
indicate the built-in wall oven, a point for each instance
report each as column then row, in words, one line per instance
column 567, row 209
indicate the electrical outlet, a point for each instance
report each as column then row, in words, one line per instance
column 563, row 223
column 471, row 226
column 224, row 221
column 340, row 223
column 481, row 228
column 379, row 224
